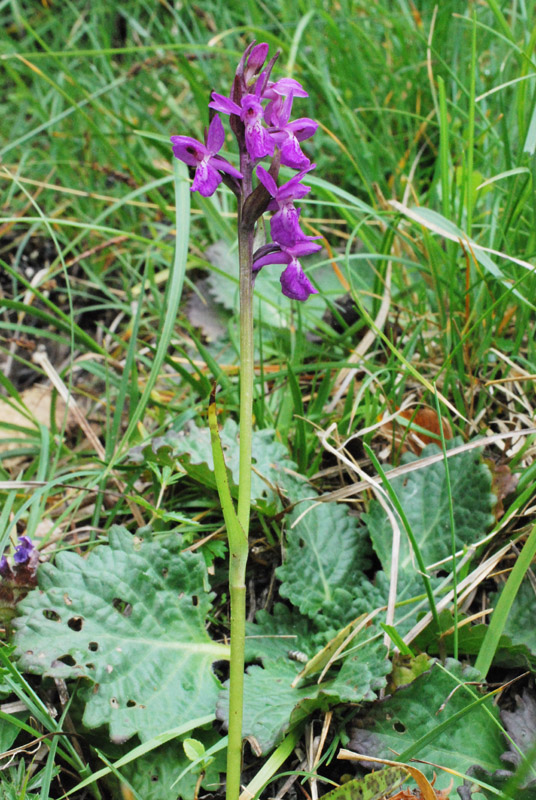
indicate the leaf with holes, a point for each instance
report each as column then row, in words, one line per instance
column 130, row 618
column 424, row 497
column 410, row 723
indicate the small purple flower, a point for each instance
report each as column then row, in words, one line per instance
column 24, row 550
column 259, row 143
column 284, row 225
column 288, row 138
column 294, row 282
column 5, row 569
column 204, row 158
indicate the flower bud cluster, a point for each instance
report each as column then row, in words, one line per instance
column 259, row 111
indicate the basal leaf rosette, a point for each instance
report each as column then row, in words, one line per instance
column 130, row 619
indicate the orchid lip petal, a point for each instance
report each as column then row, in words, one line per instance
column 207, row 179
column 294, row 282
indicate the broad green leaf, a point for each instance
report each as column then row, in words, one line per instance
column 277, row 636
column 423, row 495
column 416, row 711
column 375, row 786
column 131, row 619
column 272, row 704
column 322, row 573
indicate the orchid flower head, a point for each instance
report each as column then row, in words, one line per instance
column 294, row 282
column 204, row 158
column 284, row 225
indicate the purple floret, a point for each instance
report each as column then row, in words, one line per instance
column 205, row 159
column 284, row 225
column 23, row 551
column 294, row 282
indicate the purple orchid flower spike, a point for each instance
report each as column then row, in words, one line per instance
column 205, row 159
column 294, row 282
column 259, row 143
column 284, row 225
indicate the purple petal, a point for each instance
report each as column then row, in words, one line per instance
column 277, row 112
column 267, row 181
column 255, row 61
column 251, row 109
column 207, row 179
column 215, row 136
column 286, row 86
column 277, row 257
column 188, row 150
column 291, row 154
column 222, row 164
column 23, row 550
column 293, row 190
column 258, row 141
column 295, row 283
column 285, row 226
column 302, row 128
column 304, row 247
column 224, row 104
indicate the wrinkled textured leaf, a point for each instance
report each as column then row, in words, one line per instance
column 130, row 618
column 326, row 555
column 272, row 704
column 499, row 782
column 375, row 786
column 407, row 668
column 273, row 636
column 397, row 723
column 423, row 495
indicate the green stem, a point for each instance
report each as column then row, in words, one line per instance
column 238, row 546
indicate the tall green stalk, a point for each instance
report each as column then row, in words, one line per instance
column 237, row 522
column 238, row 548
